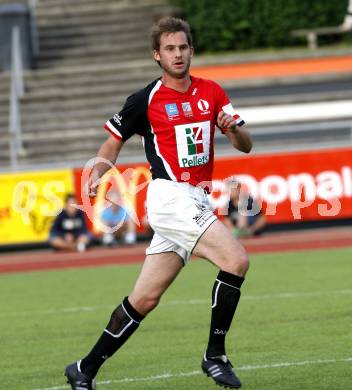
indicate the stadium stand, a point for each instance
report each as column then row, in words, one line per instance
column 90, row 58
column 94, row 53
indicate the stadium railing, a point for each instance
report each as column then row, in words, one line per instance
column 17, row 91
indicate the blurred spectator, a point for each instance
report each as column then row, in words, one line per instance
column 244, row 216
column 69, row 230
column 116, row 216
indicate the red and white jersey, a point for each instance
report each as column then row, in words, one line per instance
column 177, row 128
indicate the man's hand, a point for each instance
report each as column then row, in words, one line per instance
column 226, row 121
column 107, row 155
column 93, row 184
column 237, row 135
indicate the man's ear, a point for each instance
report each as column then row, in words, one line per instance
column 156, row 55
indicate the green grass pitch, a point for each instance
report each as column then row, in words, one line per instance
column 292, row 330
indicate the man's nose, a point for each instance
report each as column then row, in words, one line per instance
column 178, row 52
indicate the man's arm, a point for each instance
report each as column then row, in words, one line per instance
column 108, row 151
column 55, row 227
column 237, row 135
column 240, row 138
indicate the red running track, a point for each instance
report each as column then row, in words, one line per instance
column 273, row 242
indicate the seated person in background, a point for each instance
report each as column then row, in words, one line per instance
column 69, row 230
column 237, row 218
column 116, row 216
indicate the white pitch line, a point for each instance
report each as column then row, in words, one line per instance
column 194, row 373
column 292, row 364
column 285, row 295
column 296, row 294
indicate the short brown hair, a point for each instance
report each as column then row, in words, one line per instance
column 70, row 196
column 169, row 24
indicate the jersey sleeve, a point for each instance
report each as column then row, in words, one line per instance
column 131, row 119
column 223, row 103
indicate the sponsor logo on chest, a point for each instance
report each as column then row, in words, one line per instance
column 172, row 111
column 187, row 109
column 193, row 144
column 203, row 107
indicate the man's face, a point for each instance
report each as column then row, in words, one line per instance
column 70, row 206
column 174, row 54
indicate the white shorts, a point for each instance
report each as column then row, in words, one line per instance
column 179, row 214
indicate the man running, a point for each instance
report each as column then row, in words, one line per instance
column 176, row 117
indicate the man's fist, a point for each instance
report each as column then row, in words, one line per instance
column 93, row 184
column 226, row 121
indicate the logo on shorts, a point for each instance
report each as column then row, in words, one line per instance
column 193, row 144
column 203, row 216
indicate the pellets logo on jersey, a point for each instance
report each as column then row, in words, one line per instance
column 187, row 109
column 193, row 144
column 194, row 140
column 203, row 106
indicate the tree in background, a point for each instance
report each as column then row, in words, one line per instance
column 220, row 25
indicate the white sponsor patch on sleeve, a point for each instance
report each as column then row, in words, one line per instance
column 228, row 109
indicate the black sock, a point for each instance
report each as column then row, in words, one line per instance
column 123, row 322
column 225, row 296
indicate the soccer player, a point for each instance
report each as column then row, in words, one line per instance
column 176, row 117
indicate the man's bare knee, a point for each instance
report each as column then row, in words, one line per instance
column 150, row 303
column 238, row 264
column 243, row 262
column 144, row 304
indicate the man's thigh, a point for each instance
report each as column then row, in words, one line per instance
column 219, row 246
column 158, row 272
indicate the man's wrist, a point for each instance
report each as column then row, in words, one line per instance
column 234, row 129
